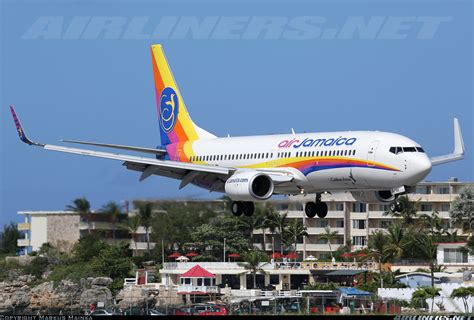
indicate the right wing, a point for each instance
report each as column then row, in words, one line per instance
column 187, row 172
column 458, row 152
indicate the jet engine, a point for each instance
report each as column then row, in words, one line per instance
column 249, row 185
column 373, row 196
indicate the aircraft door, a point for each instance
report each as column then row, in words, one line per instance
column 371, row 153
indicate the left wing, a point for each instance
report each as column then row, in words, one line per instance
column 187, row 172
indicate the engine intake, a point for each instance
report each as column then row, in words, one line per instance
column 249, row 186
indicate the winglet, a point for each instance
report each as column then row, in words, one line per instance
column 21, row 132
column 458, row 153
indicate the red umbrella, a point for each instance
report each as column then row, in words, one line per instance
column 292, row 255
column 192, row 254
column 275, row 255
column 174, row 255
column 234, row 255
column 361, row 254
column 346, row 255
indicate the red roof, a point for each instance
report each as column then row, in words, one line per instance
column 197, row 272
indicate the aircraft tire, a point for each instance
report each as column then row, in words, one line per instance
column 310, row 209
column 322, row 209
column 248, row 208
column 237, row 208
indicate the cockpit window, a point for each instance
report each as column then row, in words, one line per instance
column 398, row 150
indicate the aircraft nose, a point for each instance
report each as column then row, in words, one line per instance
column 422, row 167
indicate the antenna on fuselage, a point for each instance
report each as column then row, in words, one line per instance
column 293, row 131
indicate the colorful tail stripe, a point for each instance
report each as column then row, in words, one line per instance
column 175, row 123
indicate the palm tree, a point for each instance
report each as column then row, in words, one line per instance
column 83, row 207
column 462, row 208
column 397, row 241
column 329, row 235
column 433, row 223
column 270, row 223
column 464, row 293
column 428, row 247
column 112, row 209
column 378, row 244
column 279, row 223
column 131, row 225
column 145, row 211
column 296, row 230
column 252, row 262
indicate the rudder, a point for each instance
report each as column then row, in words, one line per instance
column 175, row 123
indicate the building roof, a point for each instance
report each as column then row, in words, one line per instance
column 197, row 272
column 353, row 292
column 337, row 272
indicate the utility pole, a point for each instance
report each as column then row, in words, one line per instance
column 224, row 249
column 163, row 252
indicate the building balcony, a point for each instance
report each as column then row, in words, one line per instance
column 301, row 214
column 358, row 232
column 316, row 230
column 23, row 243
column 141, row 245
column 317, row 247
column 182, row 289
column 24, row 226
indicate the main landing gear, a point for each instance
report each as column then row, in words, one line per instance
column 242, row 207
column 316, row 208
column 396, row 206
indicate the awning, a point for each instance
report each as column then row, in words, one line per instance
column 337, row 272
column 353, row 292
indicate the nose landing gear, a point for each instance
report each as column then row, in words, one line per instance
column 397, row 206
column 316, row 208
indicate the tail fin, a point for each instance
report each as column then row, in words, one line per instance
column 175, row 123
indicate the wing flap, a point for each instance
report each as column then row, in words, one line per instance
column 119, row 146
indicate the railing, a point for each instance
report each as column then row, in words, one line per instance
column 191, row 289
column 23, row 242
column 326, row 265
column 23, row 226
column 129, row 281
column 205, row 265
column 291, row 293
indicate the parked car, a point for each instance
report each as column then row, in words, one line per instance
column 104, row 312
column 184, row 311
column 153, row 312
column 213, row 310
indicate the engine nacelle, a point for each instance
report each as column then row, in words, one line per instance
column 373, row 196
column 249, row 186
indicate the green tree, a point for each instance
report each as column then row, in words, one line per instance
column 433, row 223
column 397, row 241
column 131, row 225
column 113, row 211
column 378, row 245
column 463, row 293
column 270, row 223
column 253, row 262
column 83, row 207
column 295, row 230
column 279, row 223
column 421, row 294
column 462, row 210
column 329, row 235
column 470, row 244
column 427, row 245
column 88, row 247
column 8, row 238
column 145, row 211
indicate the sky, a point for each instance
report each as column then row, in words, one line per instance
column 82, row 70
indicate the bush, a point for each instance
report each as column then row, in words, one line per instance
column 37, row 267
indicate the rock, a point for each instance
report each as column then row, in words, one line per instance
column 13, row 296
column 132, row 296
column 95, row 295
column 101, row 281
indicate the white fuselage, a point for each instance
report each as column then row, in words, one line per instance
column 346, row 160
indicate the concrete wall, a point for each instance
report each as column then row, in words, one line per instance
column 39, row 232
column 63, row 231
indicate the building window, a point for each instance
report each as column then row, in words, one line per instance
column 359, row 207
column 384, row 207
column 422, row 190
column 358, row 224
column 339, row 240
column 274, row 279
column 445, row 207
column 359, row 241
column 442, row 190
column 321, row 241
column 321, row 223
column 339, row 206
column 426, row 207
column 455, row 256
column 339, row 223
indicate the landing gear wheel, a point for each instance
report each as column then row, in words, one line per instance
column 237, row 208
column 310, row 209
column 248, row 208
column 393, row 206
column 322, row 209
column 396, row 206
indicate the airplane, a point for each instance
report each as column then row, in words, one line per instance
column 375, row 167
